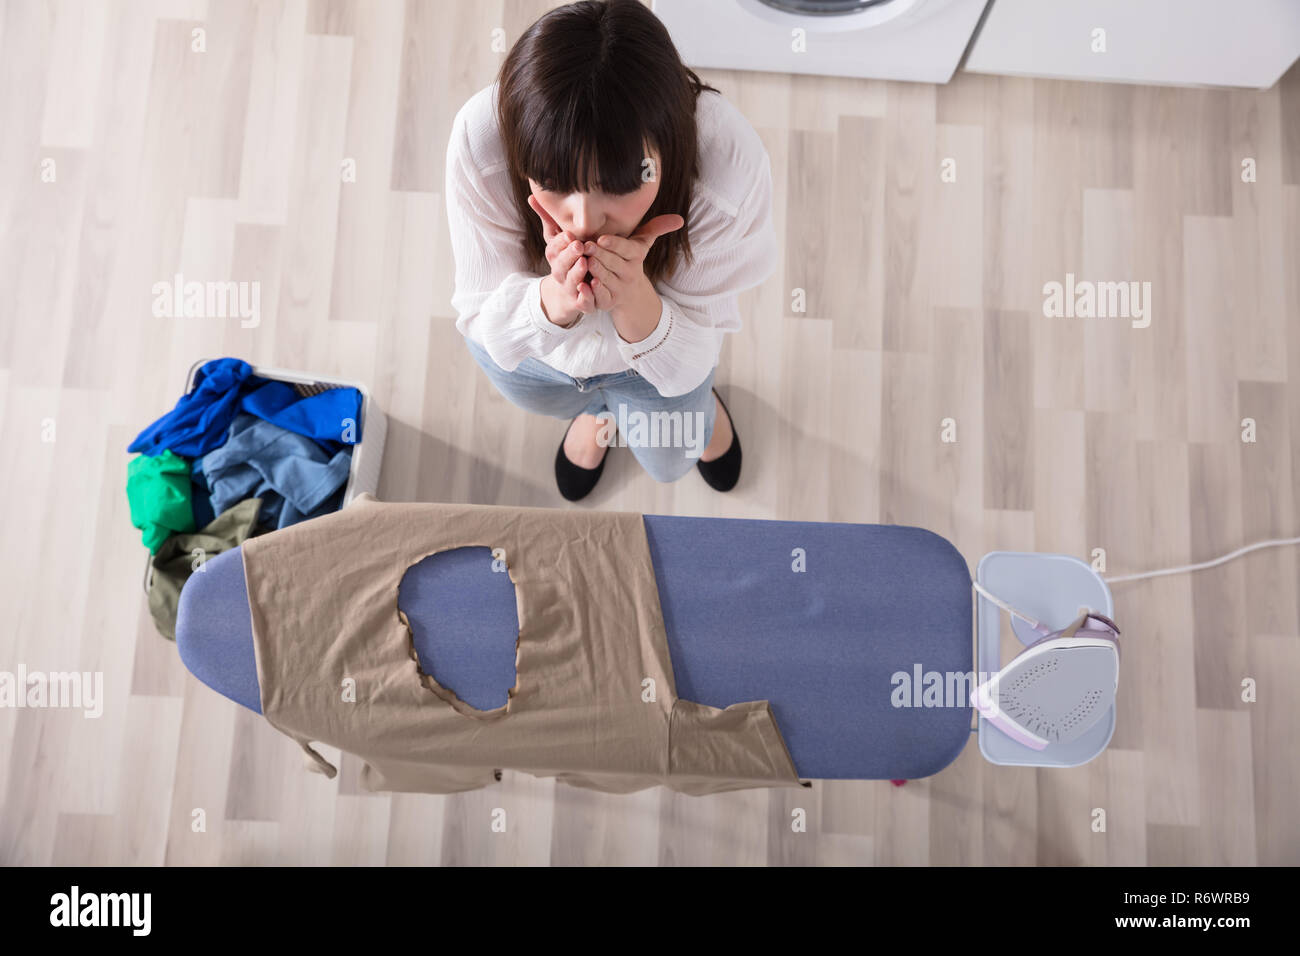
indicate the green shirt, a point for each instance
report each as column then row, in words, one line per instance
column 158, row 489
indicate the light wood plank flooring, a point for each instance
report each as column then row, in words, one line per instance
column 923, row 303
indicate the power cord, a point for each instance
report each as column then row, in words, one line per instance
column 1163, row 572
column 1274, row 543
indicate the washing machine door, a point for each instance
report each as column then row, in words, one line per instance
column 837, row 8
column 837, row 15
column 920, row 40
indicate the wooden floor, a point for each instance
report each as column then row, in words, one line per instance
column 924, row 302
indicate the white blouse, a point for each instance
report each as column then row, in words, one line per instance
column 498, row 299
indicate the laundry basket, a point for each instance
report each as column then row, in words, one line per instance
column 367, row 454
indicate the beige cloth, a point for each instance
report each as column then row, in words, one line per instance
column 323, row 596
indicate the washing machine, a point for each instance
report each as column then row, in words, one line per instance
column 919, row 40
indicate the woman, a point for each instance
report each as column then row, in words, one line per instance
column 606, row 208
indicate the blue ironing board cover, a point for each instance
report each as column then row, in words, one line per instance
column 822, row 644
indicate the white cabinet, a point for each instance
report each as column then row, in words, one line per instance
column 1247, row 43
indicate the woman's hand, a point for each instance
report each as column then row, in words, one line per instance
column 618, row 268
column 565, row 292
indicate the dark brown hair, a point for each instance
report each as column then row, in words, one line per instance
column 582, row 97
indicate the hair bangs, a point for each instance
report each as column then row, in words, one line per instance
column 567, row 154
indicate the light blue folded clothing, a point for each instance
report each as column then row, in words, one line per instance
column 295, row 478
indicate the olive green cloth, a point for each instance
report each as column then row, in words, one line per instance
column 594, row 703
column 177, row 559
column 158, row 490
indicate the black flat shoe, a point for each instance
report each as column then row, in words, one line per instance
column 575, row 483
column 724, row 471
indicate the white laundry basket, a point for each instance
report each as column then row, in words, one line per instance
column 367, row 454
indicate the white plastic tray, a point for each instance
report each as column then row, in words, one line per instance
column 367, row 454
column 1052, row 588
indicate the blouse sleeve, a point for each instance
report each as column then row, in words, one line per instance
column 733, row 253
column 497, row 298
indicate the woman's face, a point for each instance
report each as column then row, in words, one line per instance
column 587, row 216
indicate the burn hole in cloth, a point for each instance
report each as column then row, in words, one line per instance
column 464, row 623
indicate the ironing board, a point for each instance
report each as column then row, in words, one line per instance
column 821, row 644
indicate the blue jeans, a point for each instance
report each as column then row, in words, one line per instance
column 666, row 435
